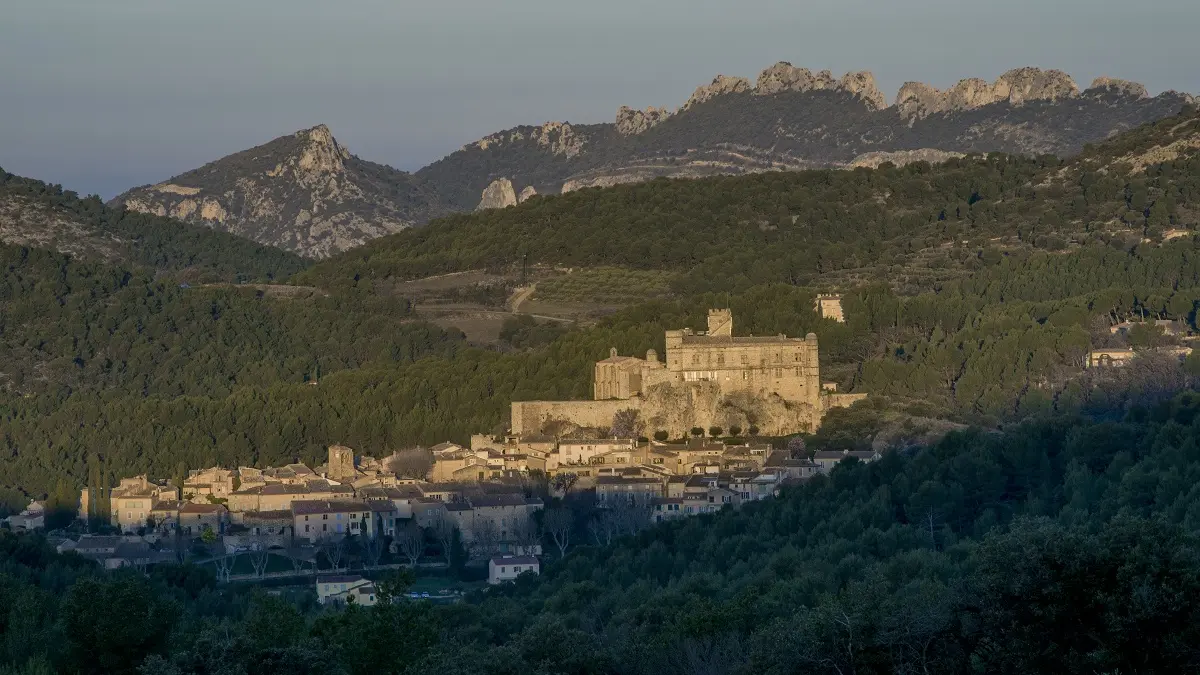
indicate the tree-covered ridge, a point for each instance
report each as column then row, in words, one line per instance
column 69, row 326
column 816, row 227
column 1060, row 545
column 195, row 251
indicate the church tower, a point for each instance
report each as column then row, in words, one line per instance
column 341, row 463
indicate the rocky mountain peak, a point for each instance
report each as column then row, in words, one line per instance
column 631, row 121
column 720, row 86
column 319, row 153
column 302, row 192
column 1124, row 87
column 783, row 76
column 1018, row 86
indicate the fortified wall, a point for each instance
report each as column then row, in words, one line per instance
column 709, row 378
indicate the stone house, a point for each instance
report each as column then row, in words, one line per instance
column 327, row 518
column 214, row 482
column 384, row 517
column 582, row 451
column 131, row 502
column 194, row 519
column 614, row 490
column 667, row 508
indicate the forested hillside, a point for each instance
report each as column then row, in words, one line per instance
column 33, row 213
column 1060, row 545
column 913, row 227
column 985, row 332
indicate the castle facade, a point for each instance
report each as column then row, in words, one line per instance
column 710, row 378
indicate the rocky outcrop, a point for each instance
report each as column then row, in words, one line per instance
column 1118, row 86
column 783, row 76
column 873, row 160
column 631, row 121
column 720, row 86
column 500, row 194
column 918, row 100
column 302, row 192
column 526, row 194
column 862, row 85
column 559, row 138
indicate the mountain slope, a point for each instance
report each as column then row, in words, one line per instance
column 303, row 193
column 794, row 119
column 914, row 227
column 38, row 215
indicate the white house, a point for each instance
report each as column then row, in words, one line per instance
column 342, row 590
column 32, row 518
column 508, row 568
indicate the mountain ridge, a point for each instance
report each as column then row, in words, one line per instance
column 305, row 193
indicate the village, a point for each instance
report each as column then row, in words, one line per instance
column 499, row 503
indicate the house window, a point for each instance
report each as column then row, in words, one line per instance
column 324, row 528
column 503, row 570
column 305, row 518
column 324, row 516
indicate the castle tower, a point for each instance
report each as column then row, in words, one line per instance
column 341, row 463
column 829, row 306
column 720, row 322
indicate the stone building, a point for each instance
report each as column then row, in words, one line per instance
column 829, row 306
column 709, row 378
column 341, row 463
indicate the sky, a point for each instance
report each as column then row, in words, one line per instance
column 104, row 96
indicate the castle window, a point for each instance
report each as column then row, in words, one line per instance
column 745, row 359
column 779, row 372
column 695, row 359
column 745, row 375
column 720, row 359
column 797, row 356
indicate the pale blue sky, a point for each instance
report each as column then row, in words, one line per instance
column 102, row 95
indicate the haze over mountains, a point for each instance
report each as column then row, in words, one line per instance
column 307, row 194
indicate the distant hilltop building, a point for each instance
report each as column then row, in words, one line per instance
column 710, row 378
column 829, row 306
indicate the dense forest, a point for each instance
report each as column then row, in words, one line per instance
column 1063, row 544
column 144, row 240
column 110, row 365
